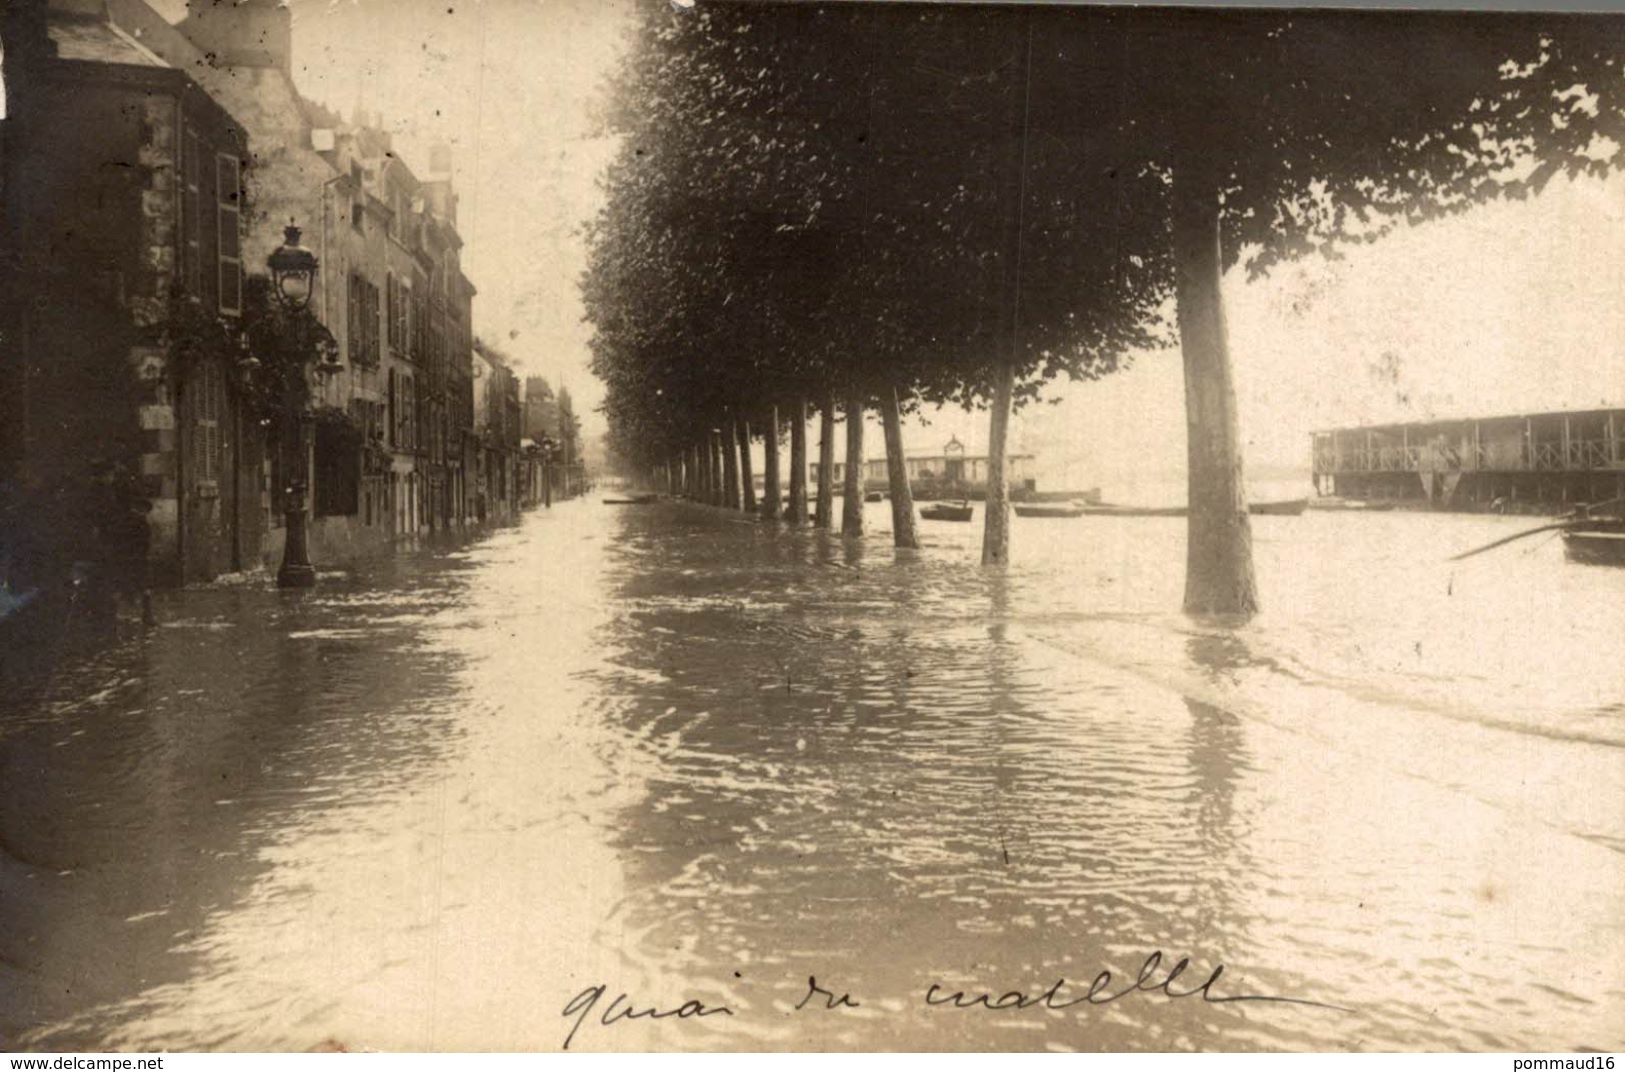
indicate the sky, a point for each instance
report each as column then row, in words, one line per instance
column 1508, row 308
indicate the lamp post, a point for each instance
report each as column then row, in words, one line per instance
column 293, row 275
column 549, row 449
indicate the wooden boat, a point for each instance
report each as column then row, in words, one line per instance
column 1110, row 510
column 1282, row 508
column 1290, row 507
column 1597, row 543
column 1334, row 503
column 1047, row 509
column 874, row 496
column 1063, row 498
column 636, row 500
column 947, row 511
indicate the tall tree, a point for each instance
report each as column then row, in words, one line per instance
column 826, row 462
column 797, row 510
column 852, row 493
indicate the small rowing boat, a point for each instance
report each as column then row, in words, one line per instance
column 947, row 511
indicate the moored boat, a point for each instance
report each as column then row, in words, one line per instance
column 1332, row 502
column 1598, row 543
column 1047, row 509
column 1285, row 508
column 1281, row 508
column 1111, row 510
column 947, row 511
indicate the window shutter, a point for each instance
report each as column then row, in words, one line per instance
column 352, row 320
column 228, row 185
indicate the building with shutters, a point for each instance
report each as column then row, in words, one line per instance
column 123, row 196
column 389, row 460
column 162, row 163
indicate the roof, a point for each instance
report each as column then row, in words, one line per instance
column 1434, row 421
column 91, row 38
column 913, row 457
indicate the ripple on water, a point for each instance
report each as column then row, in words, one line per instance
column 423, row 806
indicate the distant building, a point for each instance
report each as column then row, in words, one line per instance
column 541, row 410
column 496, row 430
column 947, row 471
column 1535, row 461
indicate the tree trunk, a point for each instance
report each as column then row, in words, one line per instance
column 1219, row 542
column 904, row 531
column 730, row 467
column 747, row 479
column 713, row 450
column 826, row 463
column 996, row 519
column 852, row 501
column 770, row 466
column 798, row 462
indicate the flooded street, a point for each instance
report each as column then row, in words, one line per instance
column 686, row 756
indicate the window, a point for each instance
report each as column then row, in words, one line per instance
column 363, row 321
column 404, row 343
column 392, row 430
column 376, row 350
column 402, row 411
column 391, row 302
column 229, row 216
column 352, row 319
column 208, row 406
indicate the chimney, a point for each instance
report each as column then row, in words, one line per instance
column 242, row 33
column 440, row 160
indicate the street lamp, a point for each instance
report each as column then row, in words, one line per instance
column 549, row 449
column 293, row 273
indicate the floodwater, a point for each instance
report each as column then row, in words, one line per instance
column 688, row 757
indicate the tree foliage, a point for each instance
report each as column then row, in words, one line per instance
column 815, row 199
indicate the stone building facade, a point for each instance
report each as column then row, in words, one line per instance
column 123, row 193
column 152, row 168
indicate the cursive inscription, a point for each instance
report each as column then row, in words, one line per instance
column 827, row 998
column 1153, row 978
column 621, row 1008
column 1100, row 991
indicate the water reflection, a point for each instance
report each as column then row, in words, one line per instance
column 691, row 756
column 144, row 799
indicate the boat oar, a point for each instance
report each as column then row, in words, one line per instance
column 1562, row 522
